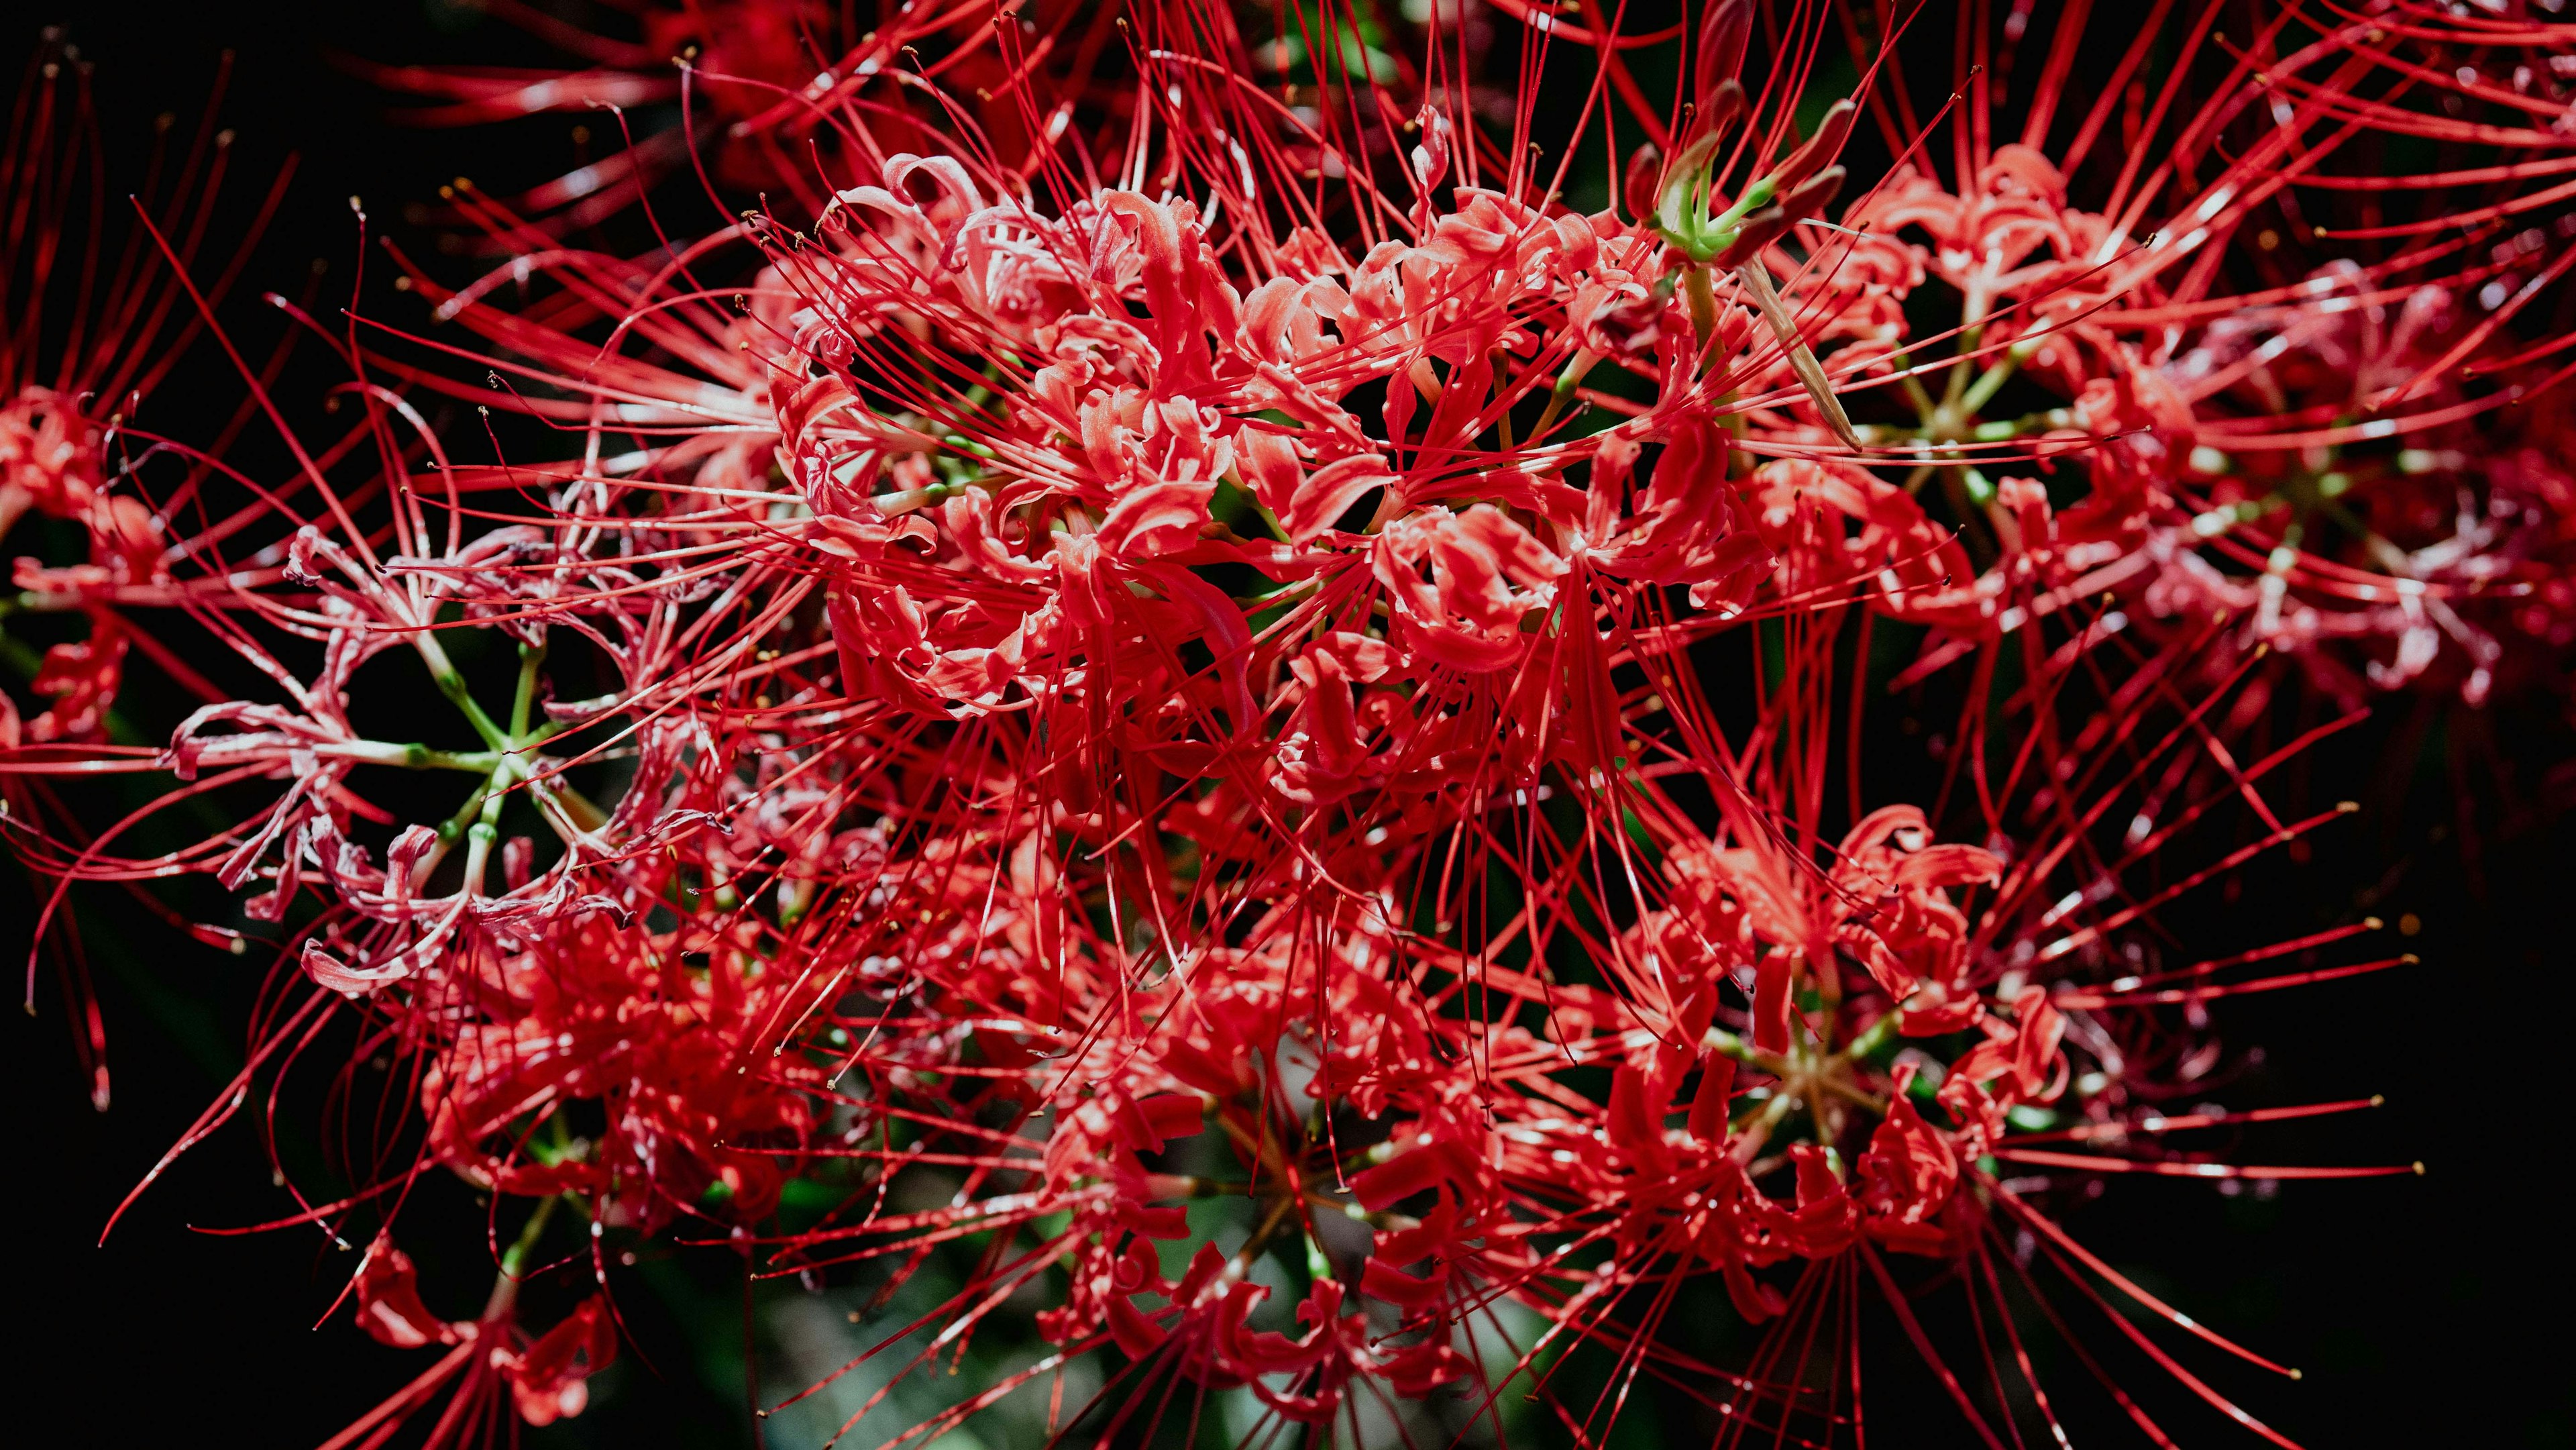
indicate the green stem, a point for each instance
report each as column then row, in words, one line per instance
column 1703, row 309
column 453, row 828
column 486, row 830
column 524, row 698
column 414, row 756
column 1755, row 197
column 452, row 685
column 1876, row 1037
column 1563, row 393
column 1974, row 400
column 514, row 1261
column 1721, row 1040
column 1912, row 383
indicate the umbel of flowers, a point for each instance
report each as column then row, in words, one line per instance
column 1208, row 708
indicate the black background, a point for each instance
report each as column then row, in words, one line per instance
column 2429, row 1311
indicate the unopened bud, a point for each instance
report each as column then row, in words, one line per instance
column 1755, row 232
column 1822, row 147
column 1813, row 194
column 1720, row 107
column 1641, row 187
column 1724, row 32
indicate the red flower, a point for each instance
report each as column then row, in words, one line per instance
column 1181, row 685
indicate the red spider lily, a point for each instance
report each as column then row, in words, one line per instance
column 513, row 980
column 546, row 1375
column 2288, row 456
column 1383, row 1074
column 1142, row 417
column 2012, row 1067
column 1176, row 687
column 2452, row 552
column 92, row 330
column 93, row 317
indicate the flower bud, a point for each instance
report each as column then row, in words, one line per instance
column 1720, row 106
column 1813, row 195
column 1640, row 188
column 1820, row 148
column 1756, row 232
column 1723, row 34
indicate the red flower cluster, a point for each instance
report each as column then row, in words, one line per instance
column 1196, row 694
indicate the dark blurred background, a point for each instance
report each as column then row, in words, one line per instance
column 2428, row 1310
